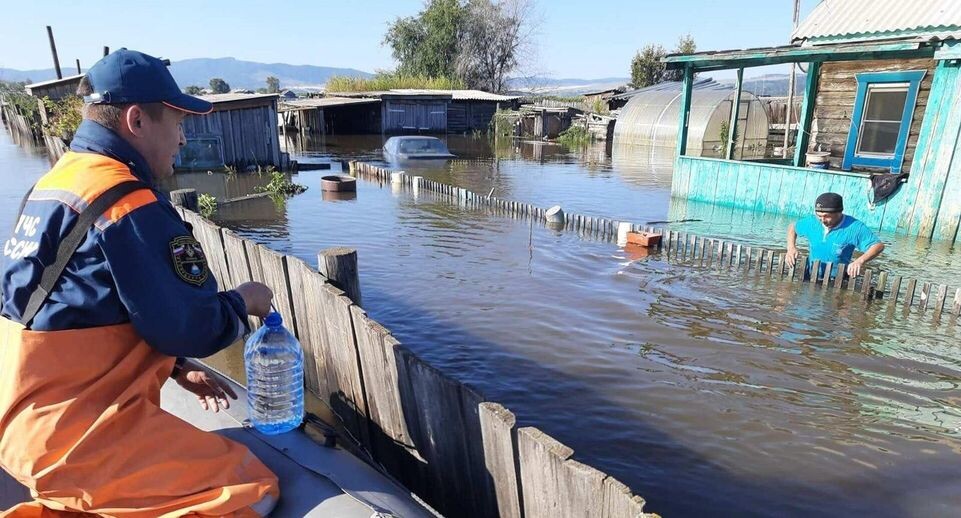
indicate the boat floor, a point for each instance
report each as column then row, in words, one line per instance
column 314, row 480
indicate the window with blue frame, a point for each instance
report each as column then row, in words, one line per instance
column 881, row 120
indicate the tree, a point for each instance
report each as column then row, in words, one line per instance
column 193, row 90
column 646, row 67
column 219, row 86
column 495, row 38
column 426, row 44
column 273, row 85
column 685, row 45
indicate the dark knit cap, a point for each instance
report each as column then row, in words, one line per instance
column 829, row 202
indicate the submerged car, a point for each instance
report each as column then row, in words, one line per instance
column 415, row 148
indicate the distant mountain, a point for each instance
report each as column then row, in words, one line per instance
column 771, row 85
column 34, row 76
column 237, row 73
column 252, row 75
column 567, row 87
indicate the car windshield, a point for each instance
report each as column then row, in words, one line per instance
column 416, row 146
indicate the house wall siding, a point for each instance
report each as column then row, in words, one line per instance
column 837, row 91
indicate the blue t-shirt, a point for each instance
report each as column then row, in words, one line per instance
column 837, row 244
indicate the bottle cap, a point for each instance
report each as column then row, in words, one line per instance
column 273, row 319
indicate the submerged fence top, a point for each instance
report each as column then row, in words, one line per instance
column 705, row 251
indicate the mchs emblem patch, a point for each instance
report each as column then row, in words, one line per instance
column 190, row 263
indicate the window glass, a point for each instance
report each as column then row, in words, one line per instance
column 881, row 123
column 879, row 137
column 202, row 152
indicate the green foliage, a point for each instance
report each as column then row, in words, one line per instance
column 262, row 90
column 273, row 85
column 575, row 136
column 280, row 185
column 503, row 123
column 724, row 134
column 646, row 67
column 207, row 205
column 219, row 86
column 24, row 103
column 63, row 116
column 685, row 45
column 390, row 81
column 426, row 45
column 193, row 90
column 478, row 42
column 599, row 106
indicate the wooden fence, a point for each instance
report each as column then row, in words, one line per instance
column 710, row 252
column 461, row 454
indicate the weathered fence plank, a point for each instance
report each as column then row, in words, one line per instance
column 500, row 439
column 237, row 261
column 311, row 326
column 619, row 502
column 433, row 401
column 275, row 277
column 378, row 364
column 541, row 460
column 909, row 293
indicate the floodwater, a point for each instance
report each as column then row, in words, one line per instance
column 707, row 392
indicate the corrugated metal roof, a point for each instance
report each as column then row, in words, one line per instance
column 834, row 21
column 54, row 82
column 456, row 95
column 323, row 102
column 226, row 98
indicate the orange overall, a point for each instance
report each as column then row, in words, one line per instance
column 81, row 424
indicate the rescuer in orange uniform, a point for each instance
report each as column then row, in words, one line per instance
column 106, row 294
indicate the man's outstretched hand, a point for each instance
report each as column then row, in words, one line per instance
column 210, row 391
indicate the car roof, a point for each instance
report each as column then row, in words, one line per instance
column 413, row 137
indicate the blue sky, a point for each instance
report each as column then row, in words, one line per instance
column 581, row 39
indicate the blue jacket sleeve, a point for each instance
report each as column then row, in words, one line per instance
column 174, row 316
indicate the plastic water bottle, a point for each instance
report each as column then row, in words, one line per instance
column 275, row 378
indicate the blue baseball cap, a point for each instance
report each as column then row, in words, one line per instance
column 127, row 76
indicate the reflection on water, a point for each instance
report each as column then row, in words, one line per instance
column 707, row 392
column 699, row 389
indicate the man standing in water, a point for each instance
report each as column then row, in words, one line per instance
column 833, row 236
column 105, row 294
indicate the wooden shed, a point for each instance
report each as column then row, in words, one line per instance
column 407, row 111
column 55, row 89
column 881, row 96
column 332, row 115
column 240, row 132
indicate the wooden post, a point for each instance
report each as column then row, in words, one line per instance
column 339, row 265
column 685, row 109
column 957, row 302
column 186, row 198
column 909, row 293
column 807, row 114
column 939, row 301
column 53, row 50
column 866, row 284
column 735, row 111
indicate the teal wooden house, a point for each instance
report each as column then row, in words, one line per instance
column 882, row 96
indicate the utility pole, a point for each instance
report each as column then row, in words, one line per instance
column 53, row 50
column 789, row 112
